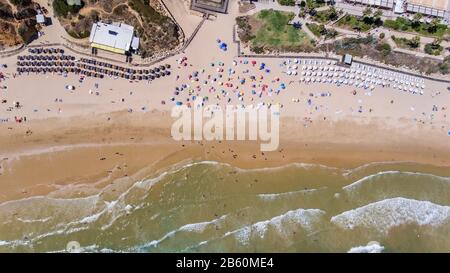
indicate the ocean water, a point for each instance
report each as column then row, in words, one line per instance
column 214, row 207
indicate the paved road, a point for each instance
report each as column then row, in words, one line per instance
column 181, row 14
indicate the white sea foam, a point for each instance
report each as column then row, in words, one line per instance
column 389, row 213
column 364, row 166
column 272, row 196
column 33, row 220
column 367, row 179
column 371, row 178
column 84, row 211
column 282, row 167
column 193, row 227
column 15, row 204
column 15, row 243
column 148, row 182
column 115, row 209
column 371, row 247
column 304, row 218
column 197, row 227
column 177, row 168
column 75, row 212
column 305, row 166
column 62, row 148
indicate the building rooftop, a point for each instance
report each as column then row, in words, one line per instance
column 135, row 43
column 436, row 4
column 115, row 36
column 348, row 59
column 40, row 19
column 73, row 2
column 210, row 5
column 379, row 3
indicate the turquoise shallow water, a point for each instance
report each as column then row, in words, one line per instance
column 213, row 207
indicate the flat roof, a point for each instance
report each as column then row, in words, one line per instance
column 210, row 5
column 380, row 3
column 135, row 43
column 74, row 2
column 40, row 18
column 118, row 36
column 436, row 4
column 399, row 6
column 348, row 59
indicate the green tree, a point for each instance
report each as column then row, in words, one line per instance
column 443, row 68
column 416, row 20
column 434, row 48
column 332, row 14
column 385, row 49
column 377, row 14
column 376, row 17
column 437, row 41
column 367, row 12
column 21, row 2
column 418, row 16
column 287, row 2
column 61, row 8
column 433, row 25
column 322, row 30
column 414, row 42
column 368, row 16
column 331, row 33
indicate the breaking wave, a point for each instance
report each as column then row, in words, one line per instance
column 272, row 196
column 373, row 178
column 172, row 210
column 389, row 213
column 291, row 220
column 371, row 247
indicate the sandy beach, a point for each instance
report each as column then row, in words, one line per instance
column 37, row 163
column 95, row 118
column 109, row 133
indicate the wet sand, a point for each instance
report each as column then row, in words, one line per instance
column 62, row 155
column 100, row 146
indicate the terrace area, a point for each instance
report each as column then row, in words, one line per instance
column 220, row 6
